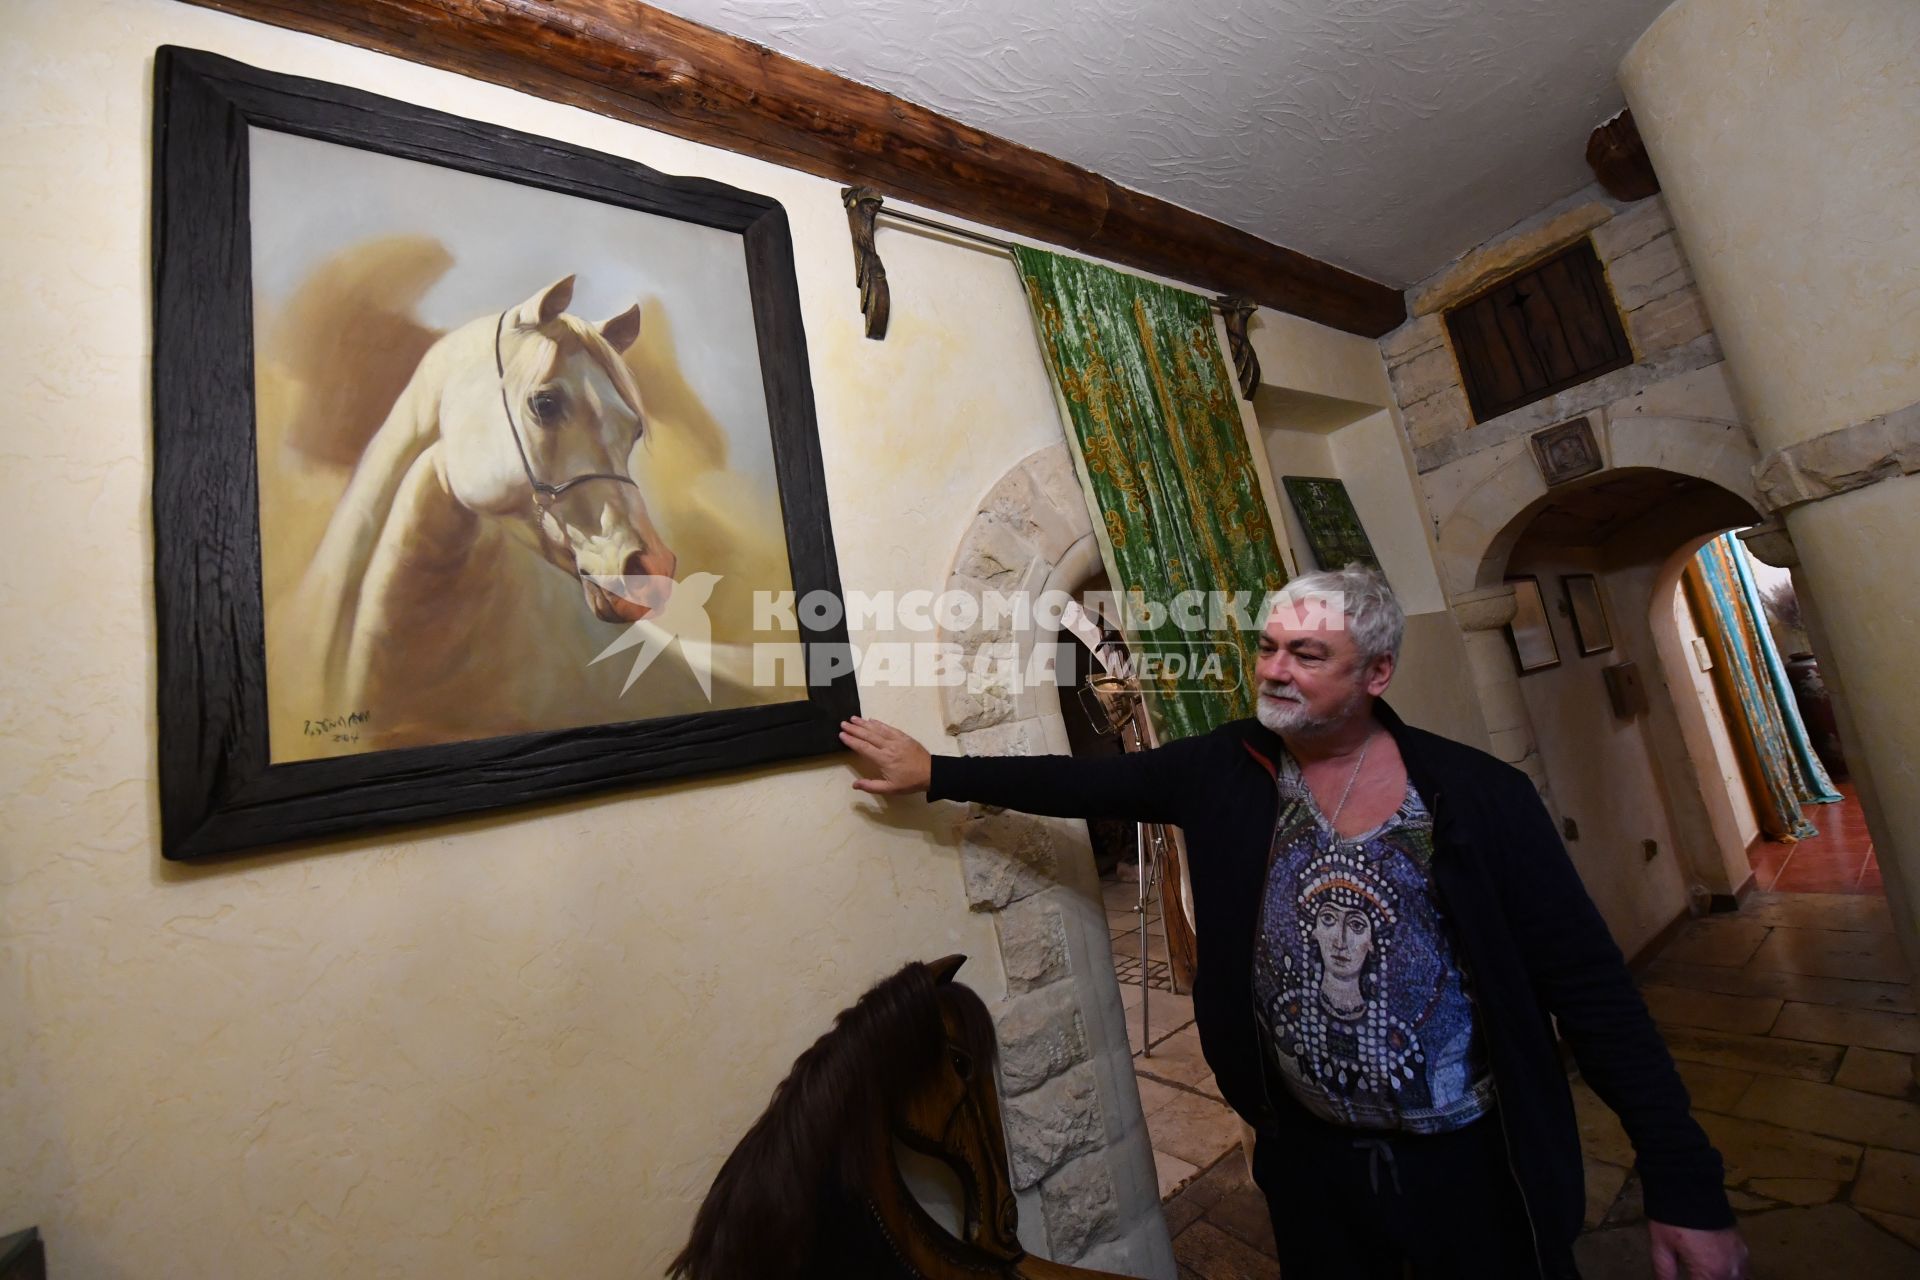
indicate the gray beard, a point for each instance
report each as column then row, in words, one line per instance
column 1282, row 717
column 1289, row 718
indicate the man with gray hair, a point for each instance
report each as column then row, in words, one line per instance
column 1389, row 932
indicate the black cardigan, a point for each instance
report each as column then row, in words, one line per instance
column 1524, row 927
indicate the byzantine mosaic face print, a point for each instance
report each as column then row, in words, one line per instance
column 1361, row 1000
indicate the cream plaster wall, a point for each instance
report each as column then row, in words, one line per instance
column 1321, row 411
column 1603, row 770
column 1718, row 754
column 1372, row 456
column 1787, row 133
column 1294, row 453
column 1791, row 128
column 506, row 1047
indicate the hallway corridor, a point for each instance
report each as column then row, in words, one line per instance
column 1795, row 1027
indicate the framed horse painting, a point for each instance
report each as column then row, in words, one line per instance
column 477, row 458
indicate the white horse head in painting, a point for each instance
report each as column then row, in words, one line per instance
column 516, row 434
column 547, row 452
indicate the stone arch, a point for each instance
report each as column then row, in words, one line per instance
column 1076, row 1136
column 1500, row 489
column 1474, row 539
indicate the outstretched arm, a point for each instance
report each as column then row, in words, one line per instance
column 1143, row 786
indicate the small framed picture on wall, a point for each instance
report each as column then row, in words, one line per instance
column 1590, row 629
column 1530, row 632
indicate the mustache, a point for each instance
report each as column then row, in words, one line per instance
column 1268, row 690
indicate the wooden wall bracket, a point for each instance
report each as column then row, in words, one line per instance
column 633, row 62
column 869, row 273
column 1236, row 311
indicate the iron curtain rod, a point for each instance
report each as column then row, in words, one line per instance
column 865, row 206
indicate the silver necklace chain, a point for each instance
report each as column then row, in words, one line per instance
column 1352, row 778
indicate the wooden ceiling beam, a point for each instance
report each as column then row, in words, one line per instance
column 639, row 64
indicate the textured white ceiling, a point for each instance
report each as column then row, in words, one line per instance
column 1385, row 136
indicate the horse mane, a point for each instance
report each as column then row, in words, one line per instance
column 541, row 349
column 824, row 1138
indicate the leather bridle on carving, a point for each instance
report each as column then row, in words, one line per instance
column 544, row 494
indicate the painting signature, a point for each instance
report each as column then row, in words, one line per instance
column 341, row 728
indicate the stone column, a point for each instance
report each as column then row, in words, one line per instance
column 1482, row 613
column 1787, row 138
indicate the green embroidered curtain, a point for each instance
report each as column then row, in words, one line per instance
column 1156, row 430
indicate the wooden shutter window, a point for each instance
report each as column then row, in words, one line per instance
column 1551, row 327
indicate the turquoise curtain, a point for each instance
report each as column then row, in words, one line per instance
column 1782, row 769
column 1154, row 421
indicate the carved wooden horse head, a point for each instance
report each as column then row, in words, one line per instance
column 813, row 1190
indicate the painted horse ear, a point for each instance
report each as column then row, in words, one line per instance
column 622, row 329
column 545, row 306
column 944, row 969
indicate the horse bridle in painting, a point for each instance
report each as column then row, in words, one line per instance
column 544, row 494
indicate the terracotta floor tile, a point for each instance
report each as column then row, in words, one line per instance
column 1211, row 1254
column 1832, row 953
column 1764, row 1054
column 1894, row 1032
column 1833, row 1112
column 1720, row 941
column 1682, row 1007
column 1753, row 1149
column 1877, row 1071
column 1889, row 1181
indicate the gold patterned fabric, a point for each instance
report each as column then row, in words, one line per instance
column 1151, row 411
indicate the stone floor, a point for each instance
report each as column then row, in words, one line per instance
column 1190, row 1126
column 1794, row 1024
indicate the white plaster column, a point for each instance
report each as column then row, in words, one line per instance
column 1787, row 138
column 1482, row 613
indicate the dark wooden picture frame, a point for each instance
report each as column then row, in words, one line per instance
column 1592, row 632
column 1530, row 634
column 220, row 790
